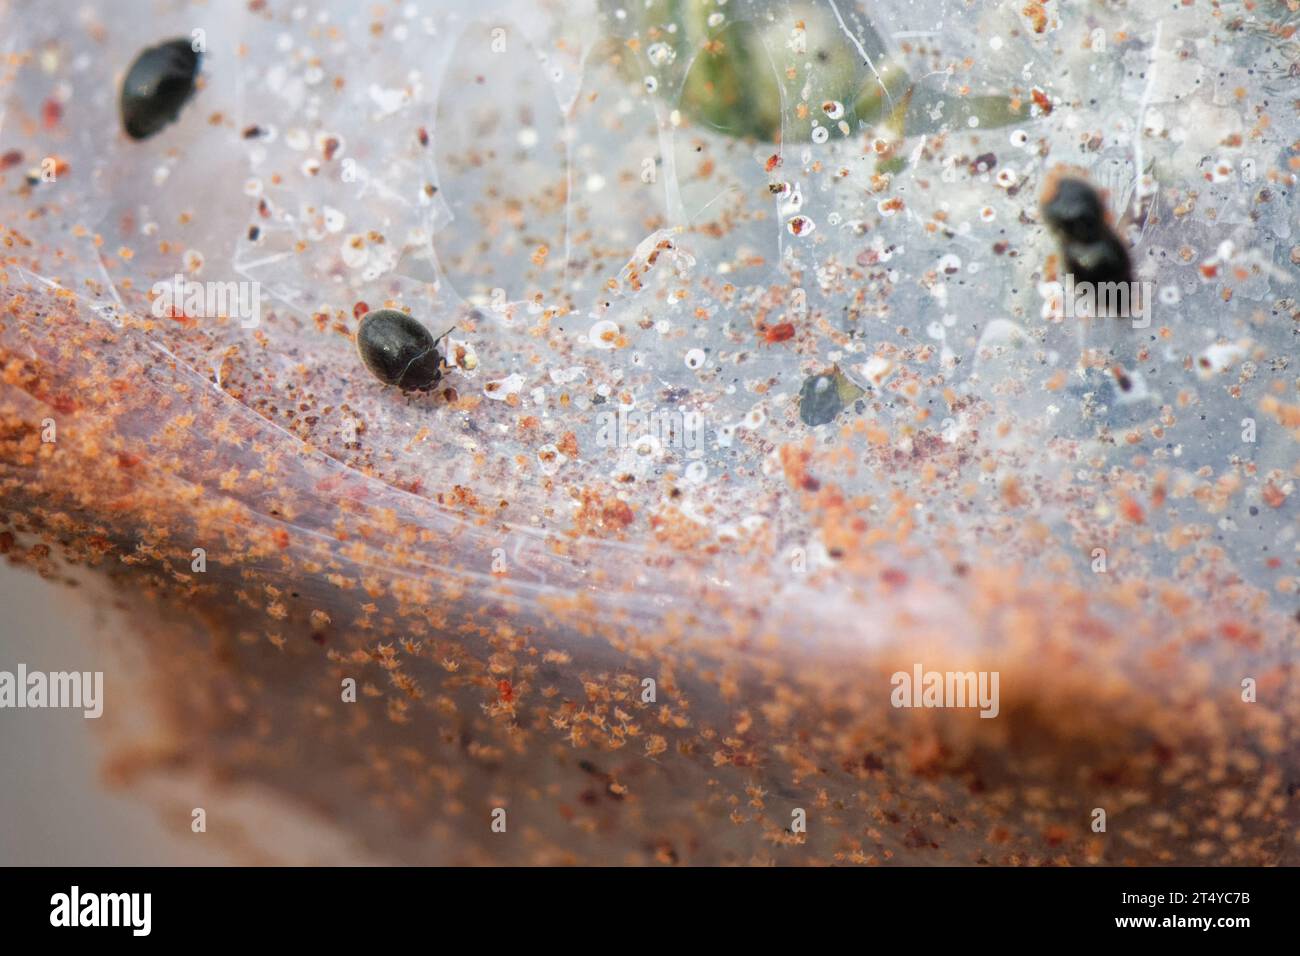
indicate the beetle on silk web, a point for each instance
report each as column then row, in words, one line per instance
column 400, row 351
column 1076, row 214
column 158, row 84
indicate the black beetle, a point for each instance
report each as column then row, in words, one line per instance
column 1092, row 251
column 157, row 85
column 399, row 351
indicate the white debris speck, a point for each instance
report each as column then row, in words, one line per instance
column 355, row 251
column 550, row 459
column 562, row 376
column 661, row 54
column 604, row 334
column 800, row 226
column 1219, row 358
column 465, row 358
column 503, row 388
column 876, row 369
column 389, row 101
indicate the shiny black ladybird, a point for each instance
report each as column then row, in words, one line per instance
column 157, row 85
column 398, row 350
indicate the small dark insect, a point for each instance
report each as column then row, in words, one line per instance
column 399, row 350
column 1077, row 216
column 156, row 87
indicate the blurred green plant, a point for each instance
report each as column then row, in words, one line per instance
column 735, row 73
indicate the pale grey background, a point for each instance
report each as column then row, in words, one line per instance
column 54, row 810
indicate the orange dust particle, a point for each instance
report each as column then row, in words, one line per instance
column 51, row 113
